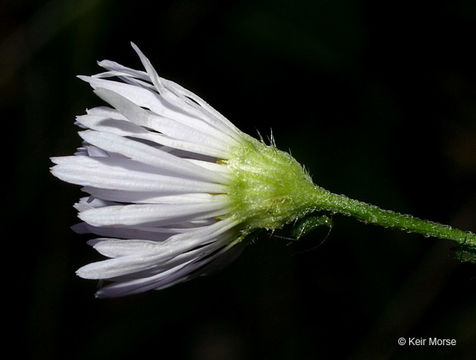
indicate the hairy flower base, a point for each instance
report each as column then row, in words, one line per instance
column 268, row 187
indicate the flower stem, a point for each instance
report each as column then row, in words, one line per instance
column 372, row 214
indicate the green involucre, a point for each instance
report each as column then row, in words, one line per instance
column 269, row 188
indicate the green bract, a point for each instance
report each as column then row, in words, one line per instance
column 269, row 188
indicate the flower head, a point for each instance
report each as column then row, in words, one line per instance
column 174, row 187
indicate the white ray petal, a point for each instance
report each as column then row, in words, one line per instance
column 149, row 155
column 164, row 251
column 106, row 112
column 126, row 128
column 88, row 202
column 127, row 78
column 130, row 80
column 209, row 114
column 213, row 114
column 169, row 96
column 152, row 233
column 203, row 149
column 94, row 151
column 113, row 248
column 121, row 127
column 143, row 97
column 172, row 97
column 219, row 242
column 204, row 234
column 154, row 77
column 224, row 171
column 120, row 174
column 181, row 268
column 143, row 284
column 167, row 105
column 114, row 66
column 145, row 197
column 115, row 126
column 165, row 125
column 199, row 106
column 137, row 95
column 157, row 214
column 123, row 233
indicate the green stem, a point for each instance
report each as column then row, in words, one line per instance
column 372, row 214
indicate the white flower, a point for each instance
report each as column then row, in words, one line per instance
column 174, row 187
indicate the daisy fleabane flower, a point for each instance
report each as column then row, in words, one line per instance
column 174, row 188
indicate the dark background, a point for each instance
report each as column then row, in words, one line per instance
column 377, row 99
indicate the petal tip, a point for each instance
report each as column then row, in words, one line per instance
column 83, row 273
column 135, row 47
